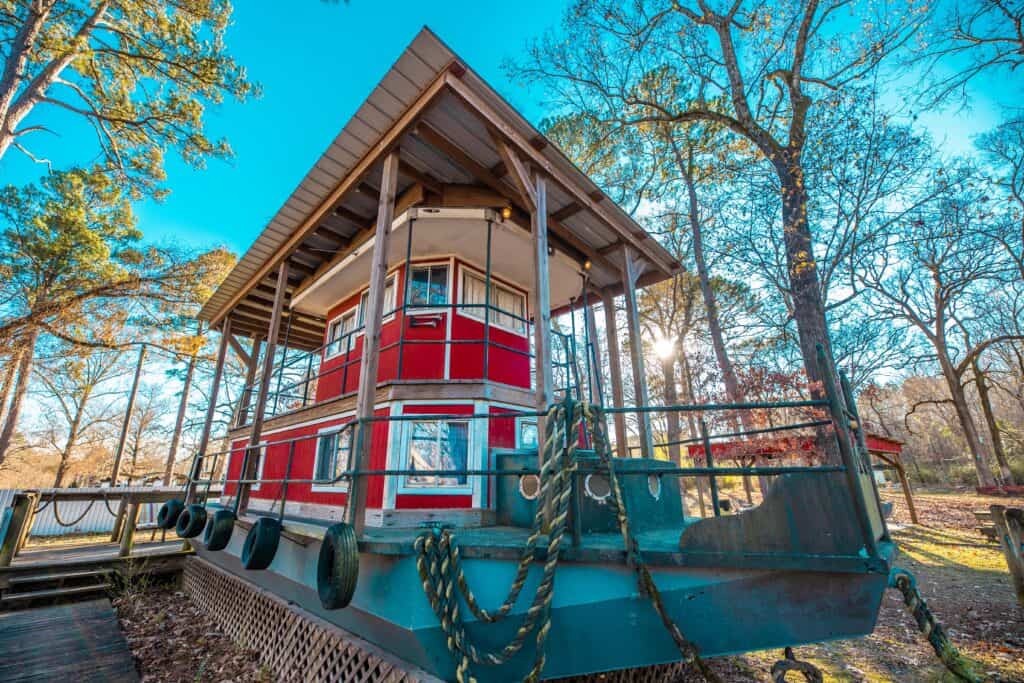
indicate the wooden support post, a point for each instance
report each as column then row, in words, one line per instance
column 115, row 471
column 367, row 393
column 1010, row 530
column 541, row 303
column 131, row 521
column 252, row 451
column 630, row 274
column 211, row 411
column 179, row 420
column 611, row 330
column 22, row 508
column 250, row 378
column 115, row 533
column 908, row 495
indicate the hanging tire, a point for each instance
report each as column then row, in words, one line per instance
column 261, row 543
column 218, row 530
column 169, row 512
column 337, row 569
column 191, row 521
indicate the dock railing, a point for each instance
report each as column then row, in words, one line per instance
column 831, row 421
column 98, row 515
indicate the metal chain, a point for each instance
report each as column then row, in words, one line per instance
column 904, row 582
column 789, row 662
column 595, row 422
column 440, row 569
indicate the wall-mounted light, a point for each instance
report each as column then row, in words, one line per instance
column 587, row 265
column 506, row 212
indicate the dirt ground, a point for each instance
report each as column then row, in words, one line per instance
column 962, row 576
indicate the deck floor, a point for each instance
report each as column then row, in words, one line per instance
column 84, row 552
column 78, row 642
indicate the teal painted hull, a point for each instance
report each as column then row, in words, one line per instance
column 599, row 621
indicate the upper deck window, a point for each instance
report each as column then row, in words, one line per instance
column 389, row 301
column 429, row 286
column 508, row 307
column 339, row 336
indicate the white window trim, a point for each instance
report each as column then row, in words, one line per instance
column 393, row 279
column 341, row 486
column 354, row 311
column 403, row 457
column 520, row 420
column 469, row 313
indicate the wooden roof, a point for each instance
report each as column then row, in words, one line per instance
column 446, row 122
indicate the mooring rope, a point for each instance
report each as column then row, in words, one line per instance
column 595, row 422
column 440, row 568
column 106, row 503
column 929, row 626
column 44, row 504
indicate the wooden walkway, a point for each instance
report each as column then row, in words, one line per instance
column 78, row 643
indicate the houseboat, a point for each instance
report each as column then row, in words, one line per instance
column 430, row 451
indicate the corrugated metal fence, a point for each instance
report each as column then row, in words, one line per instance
column 78, row 517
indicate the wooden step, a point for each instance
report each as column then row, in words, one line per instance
column 57, row 576
column 54, row 592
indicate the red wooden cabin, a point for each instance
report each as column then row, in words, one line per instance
column 429, row 247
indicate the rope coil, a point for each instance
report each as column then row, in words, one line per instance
column 439, row 565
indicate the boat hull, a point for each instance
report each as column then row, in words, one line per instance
column 599, row 620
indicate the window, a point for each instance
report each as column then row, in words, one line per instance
column 438, row 445
column 389, row 301
column 508, row 308
column 429, row 286
column 333, row 449
column 526, row 436
column 340, row 337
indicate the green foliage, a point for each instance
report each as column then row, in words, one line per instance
column 141, row 72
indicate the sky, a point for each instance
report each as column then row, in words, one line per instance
column 317, row 61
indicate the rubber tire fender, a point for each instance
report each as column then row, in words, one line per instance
column 169, row 512
column 218, row 530
column 191, row 521
column 261, row 543
column 337, row 568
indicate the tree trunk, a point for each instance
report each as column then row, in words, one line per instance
column 10, row 372
column 172, row 453
column 71, row 442
column 963, row 412
column 805, row 286
column 20, row 389
column 993, row 427
column 668, row 375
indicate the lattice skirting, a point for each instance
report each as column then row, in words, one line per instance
column 298, row 646
column 292, row 643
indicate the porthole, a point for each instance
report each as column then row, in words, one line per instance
column 654, row 485
column 596, row 486
column 529, row 486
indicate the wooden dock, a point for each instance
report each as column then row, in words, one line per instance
column 80, row 642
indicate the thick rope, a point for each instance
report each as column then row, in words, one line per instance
column 56, row 515
column 904, row 582
column 440, row 569
column 595, row 422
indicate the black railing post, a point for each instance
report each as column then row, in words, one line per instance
column 487, row 307
column 284, row 357
column 710, row 462
column 287, row 476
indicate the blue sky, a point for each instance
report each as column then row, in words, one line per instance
column 317, row 61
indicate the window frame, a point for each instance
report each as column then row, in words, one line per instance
column 520, row 423
column 473, row 312
column 404, row 488
column 340, row 320
column 391, row 280
column 341, row 486
column 421, row 309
